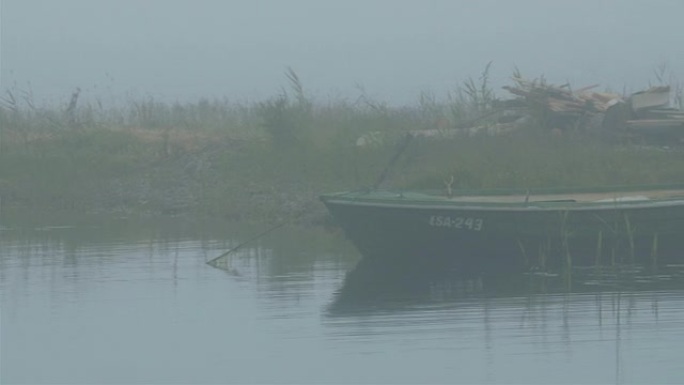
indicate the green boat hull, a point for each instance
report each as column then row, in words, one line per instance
column 529, row 233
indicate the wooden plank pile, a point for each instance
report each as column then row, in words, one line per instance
column 562, row 100
column 646, row 112
column 651, row 112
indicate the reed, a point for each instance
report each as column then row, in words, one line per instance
column 566, row 235
column 629, row 231
column 654, row 250
column 599, row 249
column 265, row 160
column 523, row 251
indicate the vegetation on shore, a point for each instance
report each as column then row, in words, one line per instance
column 269, row 160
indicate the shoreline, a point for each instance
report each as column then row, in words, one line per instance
column 176, row 188
column 253, row 181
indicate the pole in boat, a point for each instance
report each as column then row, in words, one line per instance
column 305, row 209
column 402, row 147
column 213, row 261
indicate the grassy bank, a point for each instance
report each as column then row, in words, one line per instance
column 268, row 160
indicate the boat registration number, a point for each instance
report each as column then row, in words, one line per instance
column 465, row 223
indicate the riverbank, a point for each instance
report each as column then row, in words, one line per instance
column 199, row 183
column 251, row 180
column 267, row 162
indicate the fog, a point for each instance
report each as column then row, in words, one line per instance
column 392, row 49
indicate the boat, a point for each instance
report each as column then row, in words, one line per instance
column 529, row 229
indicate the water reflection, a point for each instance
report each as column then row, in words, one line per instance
column 126, row 302
column 380, row 284
column 602, row 320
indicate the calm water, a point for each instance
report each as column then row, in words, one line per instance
column 114, row 301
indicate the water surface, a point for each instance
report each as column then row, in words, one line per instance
column 121, row 301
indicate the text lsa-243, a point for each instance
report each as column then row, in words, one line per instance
column 465, row 223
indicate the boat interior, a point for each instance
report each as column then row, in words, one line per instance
column 586, row 197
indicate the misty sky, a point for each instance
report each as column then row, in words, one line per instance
column 183, row 50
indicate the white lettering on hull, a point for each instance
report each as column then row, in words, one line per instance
column 458, row 223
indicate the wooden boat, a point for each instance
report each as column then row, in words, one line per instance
column 522, row 228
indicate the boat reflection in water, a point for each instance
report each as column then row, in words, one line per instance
column 384, row 283
column 617, row 324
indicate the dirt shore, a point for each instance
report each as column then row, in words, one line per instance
column 177, row 187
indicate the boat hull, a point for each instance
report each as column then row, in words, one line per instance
column 512, row 235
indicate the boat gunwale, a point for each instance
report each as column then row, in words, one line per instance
column 394, row 199
column 469, row 206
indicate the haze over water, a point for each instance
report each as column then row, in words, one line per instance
column 113, row 300
column 120, row 301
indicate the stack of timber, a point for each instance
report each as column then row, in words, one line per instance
column 652, row 113
column 646, row 113
column 562, row 100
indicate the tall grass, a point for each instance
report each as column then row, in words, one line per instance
column 265, row 159
column 540, row 160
